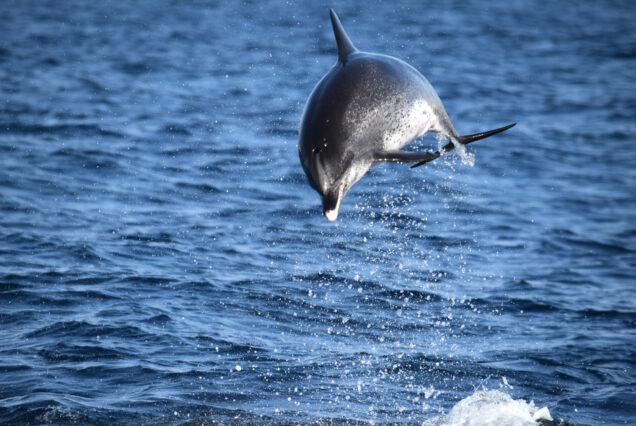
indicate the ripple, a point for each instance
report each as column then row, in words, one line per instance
column 75, row 129
column 199, row 187
column 63, row 329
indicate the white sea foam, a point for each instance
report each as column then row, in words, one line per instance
column 492, row 408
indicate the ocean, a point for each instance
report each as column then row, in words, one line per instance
column 163, row 259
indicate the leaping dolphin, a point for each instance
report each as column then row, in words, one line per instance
column 363, row 111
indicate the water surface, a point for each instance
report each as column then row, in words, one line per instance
column 163, row 259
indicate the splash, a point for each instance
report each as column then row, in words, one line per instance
column 467, row 158
column 492, row 407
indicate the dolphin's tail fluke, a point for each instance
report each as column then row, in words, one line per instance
column 464, row 140
column 345, row 47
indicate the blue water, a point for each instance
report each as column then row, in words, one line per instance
column 164, row 260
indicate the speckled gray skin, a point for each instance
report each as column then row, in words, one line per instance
column 364, row 110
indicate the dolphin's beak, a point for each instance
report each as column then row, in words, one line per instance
column 331, row 205
column 331, row 215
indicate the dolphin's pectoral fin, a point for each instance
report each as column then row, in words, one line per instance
column 405, row 157
column 465, row 140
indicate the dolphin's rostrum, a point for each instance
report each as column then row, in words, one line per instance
column 363, row 111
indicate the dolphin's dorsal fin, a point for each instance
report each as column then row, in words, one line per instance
column 345, row 47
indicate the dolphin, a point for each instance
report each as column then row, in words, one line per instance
column 363, row 111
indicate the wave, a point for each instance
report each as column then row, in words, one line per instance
column 482, row 408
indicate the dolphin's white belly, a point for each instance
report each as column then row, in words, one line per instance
column 392, row 125
column 409, row 124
